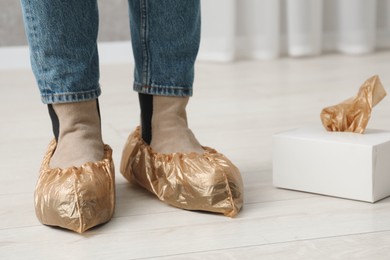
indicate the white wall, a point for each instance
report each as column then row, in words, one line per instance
column 259, row 28
column 236, row 29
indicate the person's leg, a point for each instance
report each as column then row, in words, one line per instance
column 62, row 38
column 75, row 189
column 165, row 37
column 164, row 156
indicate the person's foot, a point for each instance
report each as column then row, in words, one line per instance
column 166, row 159
column 75, row 198
column 76, row 185
column 78, row 134
column 164, row 125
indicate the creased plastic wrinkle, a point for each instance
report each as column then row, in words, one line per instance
column 76, row 198
column 205, row 182
column 353, row 114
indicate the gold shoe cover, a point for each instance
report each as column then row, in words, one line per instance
column 207, row 182
column 76, row 198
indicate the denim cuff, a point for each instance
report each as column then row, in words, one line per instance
column 71, row 97
column 160, row 90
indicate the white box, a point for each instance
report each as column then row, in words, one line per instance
column 340, row 164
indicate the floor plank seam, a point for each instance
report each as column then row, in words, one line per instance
column 261, row 245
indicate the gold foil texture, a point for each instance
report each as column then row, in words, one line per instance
column 206, row 182
column 353, row 114
column 76, row 198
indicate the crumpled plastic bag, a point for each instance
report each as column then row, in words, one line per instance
column 353, row 114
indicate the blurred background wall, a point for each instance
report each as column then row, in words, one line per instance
column 113, row 14
column 253, row 29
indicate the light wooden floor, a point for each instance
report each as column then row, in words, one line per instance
column 236, row 109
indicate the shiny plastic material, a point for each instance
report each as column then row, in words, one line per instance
column 76, row 198
column 206, row 182
column 353, row 114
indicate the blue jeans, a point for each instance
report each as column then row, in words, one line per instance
column 62, row 37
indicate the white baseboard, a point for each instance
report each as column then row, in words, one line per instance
column 14, row 57
column 210, row 50
column 113, row 52
column 109, row 52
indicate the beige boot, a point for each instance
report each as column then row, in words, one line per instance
column 79, row 138
column 168, row 128
column 170, row 132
